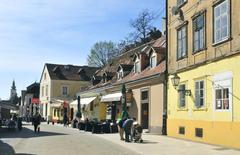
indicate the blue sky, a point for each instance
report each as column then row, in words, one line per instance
column 34, row 32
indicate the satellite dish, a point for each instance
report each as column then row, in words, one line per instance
column 175, row 10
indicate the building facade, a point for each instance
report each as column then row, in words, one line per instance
column 203, row 62
column 58, row 87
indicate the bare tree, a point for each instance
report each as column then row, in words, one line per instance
column 142, row 25
column 101, row 52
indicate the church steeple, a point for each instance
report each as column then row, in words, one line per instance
column 13, row 85
column 13, row 90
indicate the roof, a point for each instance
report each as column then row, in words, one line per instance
column 70, row 72
column 126, row 61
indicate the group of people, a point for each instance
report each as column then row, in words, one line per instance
column 131, row 128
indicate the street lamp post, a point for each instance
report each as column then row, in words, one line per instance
column 79, row 114
column 124, row 106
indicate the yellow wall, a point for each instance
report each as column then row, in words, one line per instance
column 220, row 127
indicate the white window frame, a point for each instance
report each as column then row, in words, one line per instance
column 152, row 65
column 120, row 74
column 64, row 86
column 221, row 81
column 219, row 19
column 182, row 42
column 137, row 67
column 198, row 91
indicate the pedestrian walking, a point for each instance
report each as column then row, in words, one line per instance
column 120, row 128
column 127, row 126
column 65, row 120
column 19, row 123
column 37, row 122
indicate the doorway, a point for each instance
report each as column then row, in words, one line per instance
column 145, row 108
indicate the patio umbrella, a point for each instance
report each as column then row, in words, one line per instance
column 79, row 114
column 124, row 106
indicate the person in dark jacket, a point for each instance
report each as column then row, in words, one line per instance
column 36, row 122
column 127, row 126
column 19, row 123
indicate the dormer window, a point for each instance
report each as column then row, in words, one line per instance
column 120, row 74
column 137, row 67
column 104, row 78
column 153, row 61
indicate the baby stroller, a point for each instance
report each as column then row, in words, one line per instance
column 137, row 133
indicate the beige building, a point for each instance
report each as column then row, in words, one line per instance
column 58, row 87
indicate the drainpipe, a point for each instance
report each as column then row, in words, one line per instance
column 164, row 123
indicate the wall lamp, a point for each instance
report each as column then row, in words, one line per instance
column 175, row 82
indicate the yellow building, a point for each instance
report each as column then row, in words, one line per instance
column 203, row 67
column 59, row 85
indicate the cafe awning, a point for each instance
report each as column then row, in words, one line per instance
column 111, row 97
column 83, row 101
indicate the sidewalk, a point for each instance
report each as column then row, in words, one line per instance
column 157, row 144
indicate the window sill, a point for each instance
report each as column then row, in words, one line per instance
column 199, row 51
column 182, row 109
column 222, row 41
column 181, row 58
column 200, row 109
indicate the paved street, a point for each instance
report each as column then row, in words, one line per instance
column 67, row 141
column 56, row 140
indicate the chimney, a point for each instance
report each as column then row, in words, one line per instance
column 143, row 61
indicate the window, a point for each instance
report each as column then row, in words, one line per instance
column 221, row 21
column 64, row 90
column 180, row 2
column 181, row 130
column 153, row 61
column 198, row 33
column 144, row 96
column 199, row 132
column 199, row 93
column 46, row 90
column 222, row 98
column 181, row 93
column 137, row 67
column 182, row 42
column 120, row 74
column 222, row 91
column 42, row 91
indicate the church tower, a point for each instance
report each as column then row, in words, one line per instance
column 13, row 90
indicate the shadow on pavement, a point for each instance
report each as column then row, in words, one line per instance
column 7, row 149
column 25, row 133
column 148, row 142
